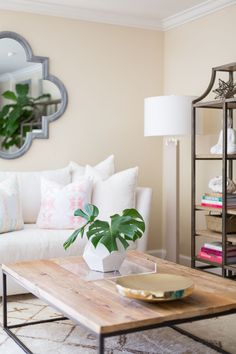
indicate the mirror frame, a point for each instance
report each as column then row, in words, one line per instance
column 42, row 133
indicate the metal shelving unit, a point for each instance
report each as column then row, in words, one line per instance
column 227, row 106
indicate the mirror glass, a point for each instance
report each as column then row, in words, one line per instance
column 25, row 97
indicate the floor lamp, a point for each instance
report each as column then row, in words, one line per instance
column 169, row 116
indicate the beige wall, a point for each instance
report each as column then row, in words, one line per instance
column 190, row 52
column 107, row 70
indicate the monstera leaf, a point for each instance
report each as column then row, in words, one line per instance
column 129, row 226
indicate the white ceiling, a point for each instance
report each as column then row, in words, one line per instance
column 156, row 14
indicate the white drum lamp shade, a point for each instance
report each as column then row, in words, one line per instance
column 167, row 115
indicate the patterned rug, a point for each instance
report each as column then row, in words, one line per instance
column 66, row 338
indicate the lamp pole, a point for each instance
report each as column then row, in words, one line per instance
column 171, row 198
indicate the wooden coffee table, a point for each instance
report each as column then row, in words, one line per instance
column 67, row 285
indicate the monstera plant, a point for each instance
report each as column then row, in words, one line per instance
column 13, row 116
column 105, row 250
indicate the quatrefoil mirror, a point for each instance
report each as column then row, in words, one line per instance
column 30, row 97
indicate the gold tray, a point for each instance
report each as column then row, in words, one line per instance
column 155, row 287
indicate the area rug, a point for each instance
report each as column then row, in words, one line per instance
column 66, row 338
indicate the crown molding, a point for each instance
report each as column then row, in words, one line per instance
column 108, row 17
column 75, row 12
column 195, row 12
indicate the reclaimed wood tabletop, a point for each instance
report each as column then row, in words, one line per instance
column 96, row 304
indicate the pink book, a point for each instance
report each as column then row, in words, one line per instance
column 210, row 257
column 211, row 205
column 214, row 258
column 230, row 253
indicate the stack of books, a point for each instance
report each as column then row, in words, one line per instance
column 213, row 252
column 214, row 200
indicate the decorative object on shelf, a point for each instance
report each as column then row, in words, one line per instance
column 107, row 244
column 231, row 146
column 225, row 89
column 155, row 287
column 214, row 252
column 215, row 184
column 215, row 200
column 214, row 223
column 169, row 116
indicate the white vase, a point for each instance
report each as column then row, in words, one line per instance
column 101, row 260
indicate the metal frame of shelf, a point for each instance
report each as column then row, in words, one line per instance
column 226, row 105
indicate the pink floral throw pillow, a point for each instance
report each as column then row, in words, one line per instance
column 58, row 203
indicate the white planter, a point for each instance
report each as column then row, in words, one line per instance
column 101, row 260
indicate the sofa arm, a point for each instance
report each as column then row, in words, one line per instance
column 143, row 205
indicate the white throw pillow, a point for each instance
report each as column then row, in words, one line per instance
column 10, row 206
column 115, row 193
column 59, row 202
column 105, row 169
column 29, row 187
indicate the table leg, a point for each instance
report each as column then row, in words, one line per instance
column 101, row 344
column 5, row 325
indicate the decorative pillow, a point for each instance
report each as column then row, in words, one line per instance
column 58, row 203
column 105, row 168
column 95, row 174
column 29, row 187
column 10, row 206
column 115, row 193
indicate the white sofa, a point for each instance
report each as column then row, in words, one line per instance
column 33, row 243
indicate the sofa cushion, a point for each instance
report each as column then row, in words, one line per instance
column 29, row 186
column 105, row 168
column 59, row 202
column 115, row 193
column 10, row 206
column 33, row 243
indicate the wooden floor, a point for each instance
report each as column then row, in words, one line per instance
column 98, row 306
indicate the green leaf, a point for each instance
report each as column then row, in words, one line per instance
column 95, row 240
column 22, row 89
column 5, row 110
column 71, row 239
column 92, row 211
column 89, row 213
column 81, row 213
column 124, row 242
column 39, row 98
column 9, row 95
column 109, row 242
column 99, row 227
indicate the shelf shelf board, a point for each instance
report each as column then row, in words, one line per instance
column 230, row 267
column 231, row 103
column 214, row 156
column 219, row 210
column 215, row 235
